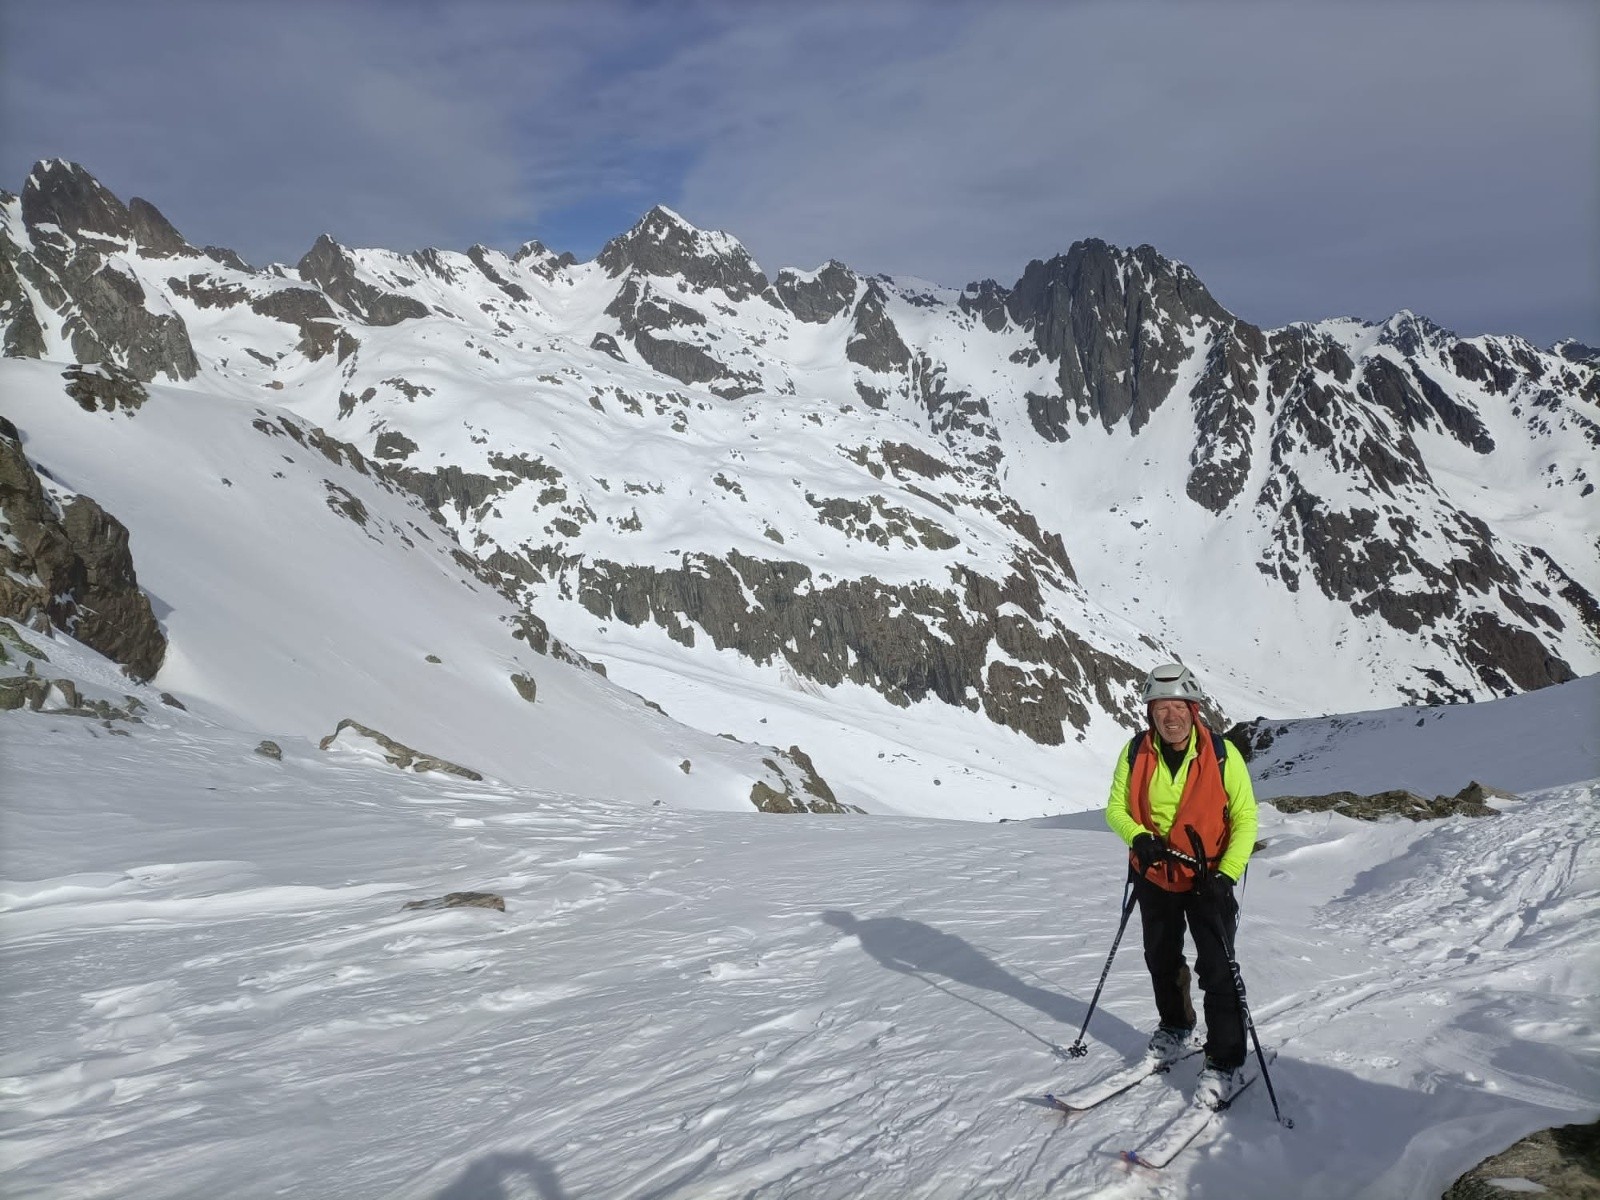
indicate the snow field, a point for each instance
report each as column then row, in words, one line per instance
column 211, row 989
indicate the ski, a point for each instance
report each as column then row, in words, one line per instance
column 1120, row 1081
column 1188, row 1125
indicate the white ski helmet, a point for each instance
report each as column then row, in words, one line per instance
column 1171, row 681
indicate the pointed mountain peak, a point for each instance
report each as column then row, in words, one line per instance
column 1408, row 333
column 664, row 224
column 663, row 243
column 332, row 267
column 1106, row 280
column 326, row 260
column 64, row 194
column 541, row 258
column 154, row 233
column 660, row 214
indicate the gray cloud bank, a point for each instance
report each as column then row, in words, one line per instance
column 1307, row 159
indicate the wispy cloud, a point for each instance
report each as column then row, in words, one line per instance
column 1306, row 158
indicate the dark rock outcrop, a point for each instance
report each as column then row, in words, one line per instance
column 821, row 298
column 987, row 301
column 644, row 315
column 23, row 336
column 874, row 342
column 536, row 257
column 664, row 244
column 64, row 195
column 153, row 232
column 1562, row 1163
column 397, row 754
column 1224, row 416
column 806, row 792
column 105, row 388
column 479, row 256
column 459, row 900
column 330, row 268
column 908, row 642
column 72, row 566
column 1470, row 801
column 1114, row 322
column 77, row 227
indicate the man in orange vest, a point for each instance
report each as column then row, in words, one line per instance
column 1176, row 782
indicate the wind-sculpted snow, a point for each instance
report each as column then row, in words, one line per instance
column 214, row 988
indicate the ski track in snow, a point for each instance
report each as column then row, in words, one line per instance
column 720, row 1005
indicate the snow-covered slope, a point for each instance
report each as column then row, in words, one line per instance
column 211, row 987
column 1520, row 744
column 298, row 590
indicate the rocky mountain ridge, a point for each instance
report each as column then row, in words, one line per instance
column 1005, row 499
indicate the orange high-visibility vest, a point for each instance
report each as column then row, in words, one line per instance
column 1202, row 807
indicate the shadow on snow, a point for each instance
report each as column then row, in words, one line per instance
column 912, row 948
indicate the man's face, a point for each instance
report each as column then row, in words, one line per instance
column 1173, row 721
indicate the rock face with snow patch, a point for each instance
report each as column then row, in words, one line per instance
column 1112, row 321
column 328, row 267
column 664, row 245
column 65, row 560
column 77, row 234
column 803, row 789
column 819, row 298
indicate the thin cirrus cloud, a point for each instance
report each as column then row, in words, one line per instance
column 1307, row 159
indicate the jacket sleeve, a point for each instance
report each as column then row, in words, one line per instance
column 1117, row 814
column 1241, row 816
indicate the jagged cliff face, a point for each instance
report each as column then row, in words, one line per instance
column 1008, row 500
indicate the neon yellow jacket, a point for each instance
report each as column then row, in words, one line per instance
column 1165, row 791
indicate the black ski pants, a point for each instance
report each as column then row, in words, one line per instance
column 1164, row 915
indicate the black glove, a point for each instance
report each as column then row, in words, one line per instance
column 1149, row 850
column 1218, row 893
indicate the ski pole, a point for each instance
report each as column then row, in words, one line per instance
column 1202, row 869
column 1078, row 1049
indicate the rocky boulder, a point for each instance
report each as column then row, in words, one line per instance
column 1470, row 801
column 1562, row 1163
column 803, row 790
column 359, row 739
column 459, row 900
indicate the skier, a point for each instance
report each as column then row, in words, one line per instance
column 1175, row 780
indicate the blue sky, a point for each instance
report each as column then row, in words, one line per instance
column 1306, row 159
